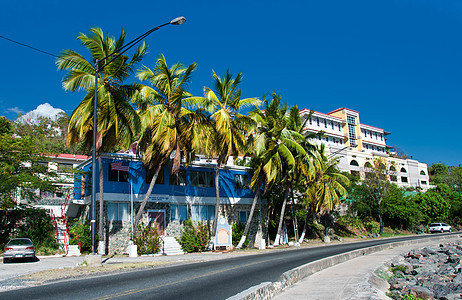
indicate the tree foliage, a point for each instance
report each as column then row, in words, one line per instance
column 20, row 172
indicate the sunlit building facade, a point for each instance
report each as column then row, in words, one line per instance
column 357, row 145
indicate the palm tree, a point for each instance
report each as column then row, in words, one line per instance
column 303, row 165
column 118, row 122
column 170, row 126
column 229, row 127
column 327, row 185
column 273, row 146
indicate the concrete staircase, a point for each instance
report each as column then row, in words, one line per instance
column 171, row 246
column 73, row 250
column 62, row 236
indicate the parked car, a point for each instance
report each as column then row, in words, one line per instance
column 18, row 248
column 439, row 227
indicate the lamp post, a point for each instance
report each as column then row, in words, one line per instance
column 98, row 69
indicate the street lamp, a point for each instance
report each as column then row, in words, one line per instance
column 116, row 54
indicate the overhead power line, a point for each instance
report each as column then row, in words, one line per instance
column 28, row 46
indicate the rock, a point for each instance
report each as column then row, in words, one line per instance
column 419, row 291
column 458, row 278
column 429, row 273
column 452, row 297
column 441, row 290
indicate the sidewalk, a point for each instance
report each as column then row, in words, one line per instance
column 353, row 279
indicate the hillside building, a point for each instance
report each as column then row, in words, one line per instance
column 357, row 145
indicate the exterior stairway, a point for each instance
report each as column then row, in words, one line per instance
column 73, row 250
column 171, row 246
column 62, row 235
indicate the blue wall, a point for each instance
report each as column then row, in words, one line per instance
column 137, row 176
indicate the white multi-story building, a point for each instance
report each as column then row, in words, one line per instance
column 357, row 145
column 63, row 165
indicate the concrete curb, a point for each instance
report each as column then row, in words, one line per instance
column 267, row 290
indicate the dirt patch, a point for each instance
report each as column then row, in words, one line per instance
column 83, row 271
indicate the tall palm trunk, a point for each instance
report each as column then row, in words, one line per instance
column 146, row 198
column 302, row 237
column 101, row 236
column 294, row 217
column 281, row 218
column 252, row 210
column 380, row 216
column 217, row 193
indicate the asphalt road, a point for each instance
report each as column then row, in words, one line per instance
column 207, row 280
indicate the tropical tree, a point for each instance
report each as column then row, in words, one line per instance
column 303, row 167
column 229, row 127
column 21, row 174
column 171, row 119
column 327, row 185
column 273, row 144
column 376, row 186
column 118, row 123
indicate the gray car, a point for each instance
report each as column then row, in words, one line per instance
column 18, row 248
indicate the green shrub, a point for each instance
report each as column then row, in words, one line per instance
column 398, row 268
column 238, row 231
column 36, row 224
column 372, row 226
column 195, row 238
column 348, row 226
column 147, row 239
column 84, row 231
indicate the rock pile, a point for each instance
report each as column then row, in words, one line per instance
column 428, row 273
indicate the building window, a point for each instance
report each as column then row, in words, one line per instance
column 241, row 181
column 332, row 123
column 65, row 168
column 202, row 212
column 422, row 173
column 41, row 165
column 178, row 178
column 403, row 170
column 355, row 173
column 202, row 179
column 311, row 122
column 117, row 212
column 354, row 163
column 403, row 179
column 325, row 123
column 243, row 216
column 423, row 182
column 351, row 120
column 118, row 171
column 150, row 174
column 178, row 213
column 393, row 178
column 352, row 135
column 317, row 121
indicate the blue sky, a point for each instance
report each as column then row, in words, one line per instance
column 396, row 62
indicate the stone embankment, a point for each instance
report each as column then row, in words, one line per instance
column 428, row 273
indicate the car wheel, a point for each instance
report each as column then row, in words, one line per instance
column 442, row 230
column 6, row 260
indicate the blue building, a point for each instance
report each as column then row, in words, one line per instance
column 189, row 194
